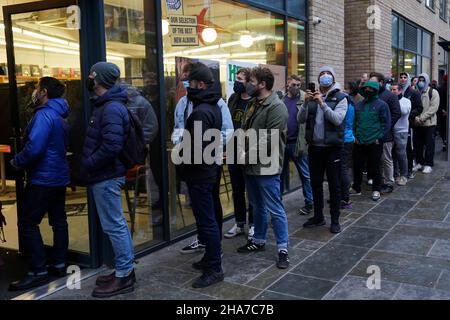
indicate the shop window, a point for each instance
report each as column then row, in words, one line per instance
column 130, row 27
column 410, row 63
column 427, row 44
column 394, row 63
column 395, row 31
column 430, row 4
column 410, row 38
column 443, row 9
column 426, row 66
column 224, row 35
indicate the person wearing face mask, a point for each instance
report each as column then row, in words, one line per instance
column 294, row 98
column 416, row 109
column 324, row 113
column 44, row 160
column 388, row 141
column 372, row 124
column 237, row 104
column 183, row 110
column 104, row 173
column 424, row 135
column 201, row 177
column 266, row 118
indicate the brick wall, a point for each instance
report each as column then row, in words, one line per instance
column 326, row 40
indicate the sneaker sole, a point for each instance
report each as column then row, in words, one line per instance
column 246, row 251
column 211, row 284
column 192, row 251
column 109, row 295
column 282, row 267
column 35, row 285
column 227, row 236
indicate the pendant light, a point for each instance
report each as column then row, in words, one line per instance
column 246, row 40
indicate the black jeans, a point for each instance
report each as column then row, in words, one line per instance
column 216, row 199
column 207, row 226
column 370, row 154
column 346, row 157
column 326, row 160
column 37, row 202
column 424, row 141
column 240, row 204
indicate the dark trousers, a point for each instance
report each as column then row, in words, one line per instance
column 370, row 154
column 326, row 160
column 240, row 204
column 37, row 202
column 346, row 157
column 410, row 151
column 207, row 226
column 216, row 199
column 424, row 144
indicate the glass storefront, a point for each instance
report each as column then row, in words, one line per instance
column 48, row 43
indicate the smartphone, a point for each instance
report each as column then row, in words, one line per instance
column 312, row 87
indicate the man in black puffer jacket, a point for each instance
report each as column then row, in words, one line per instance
column 105, row 173
column 388, row 141
column 201, row 175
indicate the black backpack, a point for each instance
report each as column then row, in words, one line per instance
column 135, row 150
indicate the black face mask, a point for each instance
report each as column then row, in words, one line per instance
column 252, row 90
column 192, row 93
column 90, row 84
column 239, row 87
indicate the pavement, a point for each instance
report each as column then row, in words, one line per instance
column 406, row 236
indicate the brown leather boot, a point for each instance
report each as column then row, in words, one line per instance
column 115, row 287
column 110, row 277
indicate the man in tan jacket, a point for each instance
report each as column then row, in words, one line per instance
column 424, row 133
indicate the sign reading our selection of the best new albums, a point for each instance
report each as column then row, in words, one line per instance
column 183, row 29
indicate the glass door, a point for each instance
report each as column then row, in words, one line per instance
column 44, row 41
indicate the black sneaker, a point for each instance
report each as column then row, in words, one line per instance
column 200, row 265
column 208, row 278
column 251, row 247
column 313, row 222
column 194, row 247
column 306, row 210
column 29, row 282
column 57, row 272
column 335, row 228
column 283, row 260
column 387, row 189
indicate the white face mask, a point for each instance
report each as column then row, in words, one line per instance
column 35, row 98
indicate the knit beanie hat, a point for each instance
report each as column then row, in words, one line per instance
column 106, row 74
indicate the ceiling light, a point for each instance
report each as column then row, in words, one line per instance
column 165, row 27
column 246, row 41
column 209, row 35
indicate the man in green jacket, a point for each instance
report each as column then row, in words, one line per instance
column 265, row 124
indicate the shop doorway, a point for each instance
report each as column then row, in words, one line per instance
column 42, row 39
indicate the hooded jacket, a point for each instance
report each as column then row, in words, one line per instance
column 206, row 112
column 46, row 143
column 416, row 101
column 105, row 137
column 428, row 117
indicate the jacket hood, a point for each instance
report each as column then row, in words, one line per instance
column 371, row 84
column 59, row 105
column 116, row 93
column 408, row 83
column 131, row 90
column 427, row 81
column 209, row 96
column 327, row 69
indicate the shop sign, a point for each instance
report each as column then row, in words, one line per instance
column 184, row 31
column 5, row 148
column 174, row 6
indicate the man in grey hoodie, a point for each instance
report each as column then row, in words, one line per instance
column 426, row 125
column 324, row 113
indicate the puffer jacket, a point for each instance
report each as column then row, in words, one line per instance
column 46, row 143
column 105, row 138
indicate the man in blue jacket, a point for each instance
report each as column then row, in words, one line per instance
column 105, row 173
column 44, row 159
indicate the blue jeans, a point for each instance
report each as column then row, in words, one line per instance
column 207, row 225
column 108, row 201
column 302, row 165
column 265, row 197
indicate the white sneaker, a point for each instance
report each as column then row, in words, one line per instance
column 233, row 232
column 402, row 181
column 376, row 196
column 251, row 233
column 427, row 170
column 370, row 182
column 417, row 167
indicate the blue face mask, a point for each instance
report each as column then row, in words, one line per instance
column 186, row 84
column 421, row 84
column 326, row 80
column 388, row 87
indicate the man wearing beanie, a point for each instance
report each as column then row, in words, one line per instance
column 324, row 113
column 201, row 176
column 104, row 173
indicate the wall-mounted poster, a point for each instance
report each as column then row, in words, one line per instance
column 35, row 71
column 232, row 68
column 182, row 64
column 116, row 25
column 183, row 31
column 137, row 26
column 174, row 6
